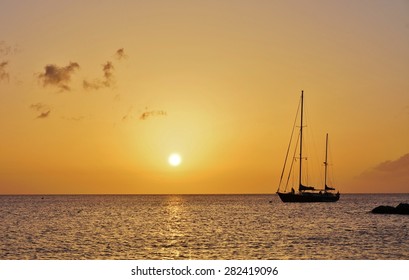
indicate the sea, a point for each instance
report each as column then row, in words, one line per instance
column 200, row 227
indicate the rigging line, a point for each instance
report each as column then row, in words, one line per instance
column 331, row 173
column 313, row 164
column 292, row 163
column 288, row 149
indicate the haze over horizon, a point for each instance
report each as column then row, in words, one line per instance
column 97, row 95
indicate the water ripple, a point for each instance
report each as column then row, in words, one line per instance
column 199, row 227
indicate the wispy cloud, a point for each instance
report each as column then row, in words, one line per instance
column 6, row 49
column 73, row 119
column 108, row 78
column 129, row 115
column 148, row 114
column 401, row 164
column 6, row 52
column 107, row 81
column 108, row 69
column 392, row 175
column 43, row 110
column 4, row 75
column 58, row 76
column 44, row 115
column 120, row 54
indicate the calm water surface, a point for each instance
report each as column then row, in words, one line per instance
column 200, row 227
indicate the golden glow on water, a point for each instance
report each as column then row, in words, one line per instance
column 173, row 233
column 199, row 227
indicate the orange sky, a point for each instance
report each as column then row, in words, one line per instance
column 95, row 95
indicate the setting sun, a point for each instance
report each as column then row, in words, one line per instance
column 174, row 159
column 204, row 87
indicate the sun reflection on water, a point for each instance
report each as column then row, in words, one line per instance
column 198, row 227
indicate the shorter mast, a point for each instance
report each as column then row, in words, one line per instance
column 326, row 162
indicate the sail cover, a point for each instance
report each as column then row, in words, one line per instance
column 305, row 188
column 329, row 188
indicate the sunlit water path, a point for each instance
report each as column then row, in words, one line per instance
column 199, row 227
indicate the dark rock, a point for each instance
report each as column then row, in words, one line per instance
column 384, row 210
column 402, row 209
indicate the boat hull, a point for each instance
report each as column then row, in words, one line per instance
column 308, row 197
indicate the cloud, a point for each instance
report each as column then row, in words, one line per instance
column 44, row 115
column 107, row 81
column 6, row 49
column 39, row 106
column 91, row 85
column 108, row 74
column 400, row 165
column 42, row 110
column 391, row 175
column 73, row 119
column 147, row 114
column 120, row 54
column 108, row 69
column 129, row 115
column 4, row 75
column 58, row 76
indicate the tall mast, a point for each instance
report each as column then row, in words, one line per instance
column 302, row 109
column 326, row 162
